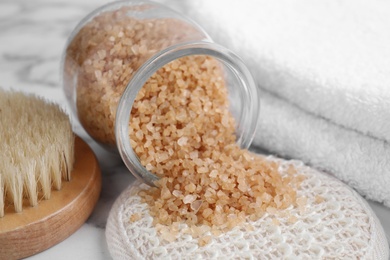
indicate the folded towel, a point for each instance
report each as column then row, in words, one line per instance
column 324, row 71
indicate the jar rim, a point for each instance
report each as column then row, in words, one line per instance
column 247, row 123
column 120, row 3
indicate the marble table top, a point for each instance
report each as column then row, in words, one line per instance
column 32, row 39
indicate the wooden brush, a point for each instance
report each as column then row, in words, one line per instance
column 46, row 190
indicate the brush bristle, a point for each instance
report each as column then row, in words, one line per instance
column 36, row 149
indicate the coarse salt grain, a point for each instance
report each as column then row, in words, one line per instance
column 135, row 217
column 177, row 193
column 319, row 199
column 190, row 187
column 195, row 205
column 182, row 141
column 204, row 240
column 189, row 199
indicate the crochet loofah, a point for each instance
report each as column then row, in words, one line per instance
column 335, row 223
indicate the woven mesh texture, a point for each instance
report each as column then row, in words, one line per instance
column 336, row 223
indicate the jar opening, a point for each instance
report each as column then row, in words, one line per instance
column 244, row 99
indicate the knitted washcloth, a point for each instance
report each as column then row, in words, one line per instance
column 340, row 225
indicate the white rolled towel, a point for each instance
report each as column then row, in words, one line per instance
column 324, row 71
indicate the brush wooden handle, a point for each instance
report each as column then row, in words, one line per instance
column 39, row 228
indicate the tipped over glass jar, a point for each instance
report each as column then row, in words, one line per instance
column 131, row 67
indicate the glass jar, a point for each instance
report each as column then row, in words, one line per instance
column 115, row 49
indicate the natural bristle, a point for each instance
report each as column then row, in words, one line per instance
column 37, row 149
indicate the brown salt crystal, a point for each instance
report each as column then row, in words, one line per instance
column 192, row 219
column 175, row 227
column 172, row 207
column 190, row 187
column 242, row 187
column 189, row 199
column 266, row 197
column 168, row 236
column 182, row 141
column 221, row 194
column 207, row 212
column 216, row 231
column 135, row 217
column 196, row 205
column 165, row 193
column 139, row 134
column 162, row 157
column 149, row 167
column 214, row 185
column 319, row 199
column 213, row 173
column 204, row 240
column 177, row 193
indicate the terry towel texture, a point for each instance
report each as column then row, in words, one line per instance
column 324, row 72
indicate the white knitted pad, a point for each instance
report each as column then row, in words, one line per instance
column 341, row 227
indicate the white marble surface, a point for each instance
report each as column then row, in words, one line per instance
column 32, row 38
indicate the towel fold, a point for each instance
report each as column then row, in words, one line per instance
column 324, row 71
column 361, row 161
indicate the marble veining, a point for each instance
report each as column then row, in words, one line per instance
column 33, row 35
